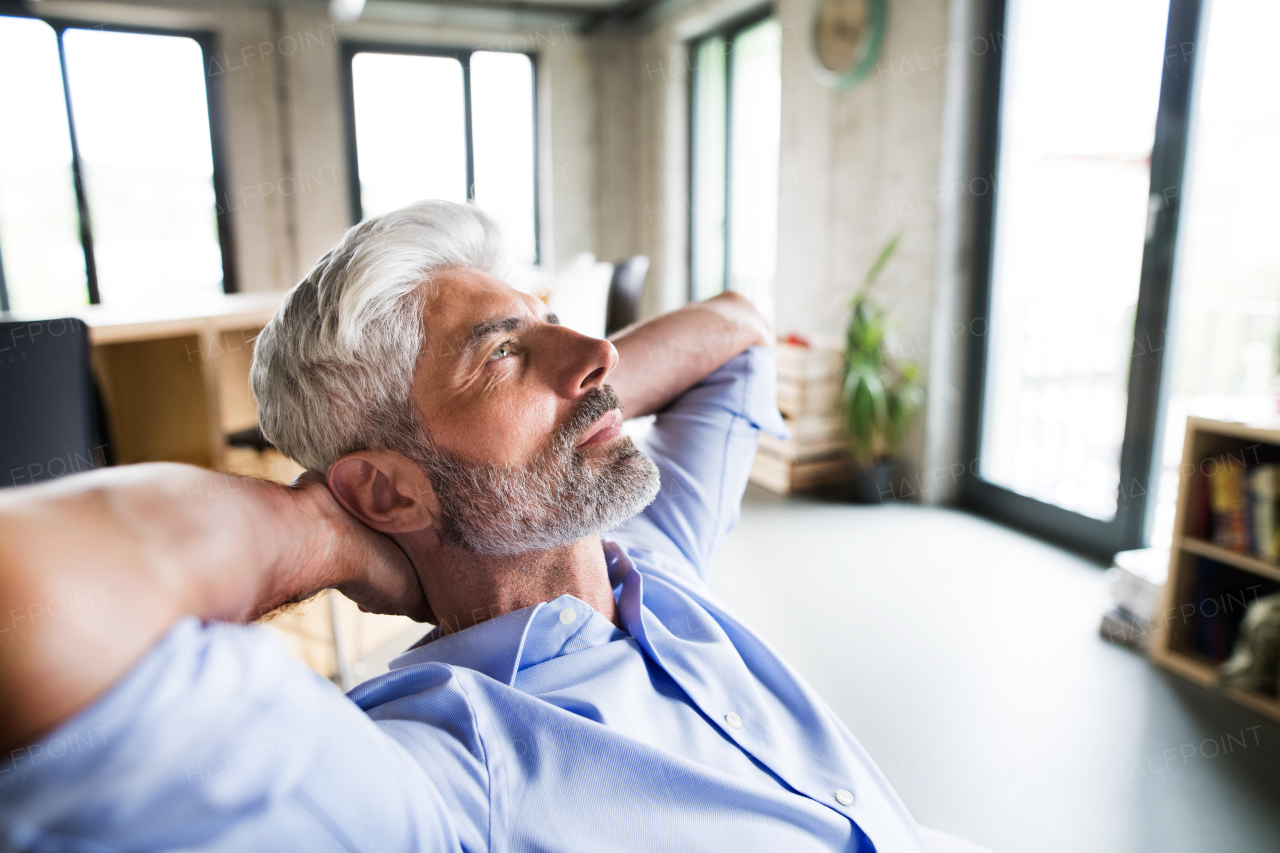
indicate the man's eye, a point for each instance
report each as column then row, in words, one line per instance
column 503, row 351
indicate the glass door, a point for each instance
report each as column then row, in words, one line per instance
column 1085, row 139
column 1227, row 298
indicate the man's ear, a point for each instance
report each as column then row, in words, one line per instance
column 385, row 490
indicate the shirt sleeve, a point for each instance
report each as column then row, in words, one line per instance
column 218, row 740
column 704, row 444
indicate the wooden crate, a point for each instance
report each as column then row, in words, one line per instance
column 1206, row 439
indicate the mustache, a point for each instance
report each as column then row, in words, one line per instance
column 593, row 406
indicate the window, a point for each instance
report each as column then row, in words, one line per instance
column 736, row 112
column 1077, row 127
column 1227, row 309
column 1086, row 138
column 108, row 195
column 448, row 124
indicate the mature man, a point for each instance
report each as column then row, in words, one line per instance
column 576, row 693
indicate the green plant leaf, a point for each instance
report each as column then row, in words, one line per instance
column 881, row 398
column 868, row 412
column 886, row 254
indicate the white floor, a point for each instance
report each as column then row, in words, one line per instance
column 965, row 657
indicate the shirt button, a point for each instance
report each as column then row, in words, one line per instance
column 733, row 720
column 567, row 616
column 844, row 798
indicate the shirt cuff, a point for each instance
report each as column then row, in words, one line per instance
column 758, row 367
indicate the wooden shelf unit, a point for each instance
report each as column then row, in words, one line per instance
column 175, row 378
column 1205, row 439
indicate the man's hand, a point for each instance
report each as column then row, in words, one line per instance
column 660, row 359
column 94, row 569
column 378, row 574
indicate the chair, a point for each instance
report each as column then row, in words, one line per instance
column 51, row 418
column 625, row 290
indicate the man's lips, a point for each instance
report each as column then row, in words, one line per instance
column 607, row 428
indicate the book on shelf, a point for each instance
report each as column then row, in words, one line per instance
column 1263, row 482
column 1219, row 598
column 1227, row 507
column 1237, row 507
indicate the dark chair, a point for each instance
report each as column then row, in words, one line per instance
column 625, row 290
column 51, row 420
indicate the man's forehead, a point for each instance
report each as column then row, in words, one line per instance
column 464, row 313
column 459, row 300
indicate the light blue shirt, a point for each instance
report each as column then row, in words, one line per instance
column 547, row 728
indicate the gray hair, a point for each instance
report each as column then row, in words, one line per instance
column 332, row 371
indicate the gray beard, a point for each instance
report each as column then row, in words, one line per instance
column 558, row 498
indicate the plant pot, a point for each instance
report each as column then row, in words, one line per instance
column 872, row 484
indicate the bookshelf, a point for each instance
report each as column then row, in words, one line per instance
column 1210, row 443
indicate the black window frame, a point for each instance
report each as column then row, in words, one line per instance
column 208, row 42
column 729, row 32
column 1130, row 528
column 463, row 55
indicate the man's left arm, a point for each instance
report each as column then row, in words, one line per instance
column 660, row 359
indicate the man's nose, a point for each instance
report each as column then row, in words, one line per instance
column 586, row 362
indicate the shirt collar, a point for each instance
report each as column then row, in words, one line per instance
column 502, row 646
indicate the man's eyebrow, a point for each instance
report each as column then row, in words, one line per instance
column 481, row 332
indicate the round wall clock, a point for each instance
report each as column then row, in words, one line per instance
column 847, row 35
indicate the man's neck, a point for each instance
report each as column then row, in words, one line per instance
column 465, row 588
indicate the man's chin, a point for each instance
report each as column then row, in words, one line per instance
column 523, row 513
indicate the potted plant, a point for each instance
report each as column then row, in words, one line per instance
column 881, row 395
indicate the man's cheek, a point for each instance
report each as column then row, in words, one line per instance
column 513, row 434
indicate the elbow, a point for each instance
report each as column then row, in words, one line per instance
column 743, row 313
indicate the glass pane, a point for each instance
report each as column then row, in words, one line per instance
column 753, row 145
column 410, row 130
column 142, row 122
column 502, row 144
column 708, row 168
column 1227, row 313
column 1077, row 124
column 39, row 225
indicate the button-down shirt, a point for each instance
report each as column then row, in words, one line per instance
column 547, row 728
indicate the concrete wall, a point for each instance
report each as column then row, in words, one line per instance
column 855, row 167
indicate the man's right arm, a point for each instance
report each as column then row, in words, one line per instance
column 150, row 544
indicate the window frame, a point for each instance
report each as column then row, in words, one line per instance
column 729, row 32
column 208, row 42
column 1143, row 429
column 349, row 49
